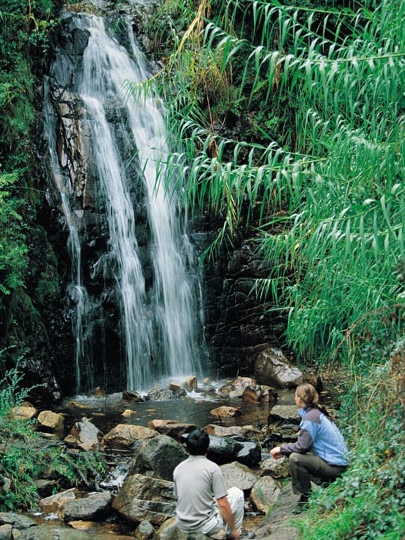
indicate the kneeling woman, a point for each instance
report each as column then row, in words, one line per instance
column 320, row 453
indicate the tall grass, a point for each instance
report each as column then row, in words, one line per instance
column 327, row 199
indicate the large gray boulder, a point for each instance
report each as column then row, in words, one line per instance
column 264, row 493
column 144, row 498
column 91, row 507
column 239, row 475
column 273, row 369
column 161, row 454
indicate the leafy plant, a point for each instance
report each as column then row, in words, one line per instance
column 12, row 239
column 25, row 456
column 315, row 163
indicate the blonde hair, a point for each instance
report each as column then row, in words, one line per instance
column 308, row 394
column 310, row 397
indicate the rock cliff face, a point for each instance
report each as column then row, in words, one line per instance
column 238, row 326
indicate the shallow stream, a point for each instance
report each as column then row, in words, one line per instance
column 195, row 408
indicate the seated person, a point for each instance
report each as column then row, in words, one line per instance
column 203, row 503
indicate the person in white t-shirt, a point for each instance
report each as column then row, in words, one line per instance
column 204, row 505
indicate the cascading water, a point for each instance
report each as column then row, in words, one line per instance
column 160, row 320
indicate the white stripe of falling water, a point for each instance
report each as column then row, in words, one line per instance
column 175, row 304
column 101, row 58
column 107, row 66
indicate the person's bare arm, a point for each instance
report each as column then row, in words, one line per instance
column 226, row 513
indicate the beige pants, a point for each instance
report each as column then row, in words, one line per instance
column 236, row 501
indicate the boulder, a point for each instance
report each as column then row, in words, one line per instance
column 169, row 531
column 161, row 455
column 238, row 386
column 177, row 389
column 54, row 502
column 264, row 493
column 128, row 413
column 50, row 421
column 145, row 531
column 144, row 498
column 172, row 428
column 226, row 412
column 227, row 449
column 190, row 383
column 250, row 453
column 124, row 436
column 84, row 435
column 158, row 393
column 237, row 474
column 282, row 414
column 92, row 506
column 277, row 468
column 133, row 397
column 6, row 532
column 23, row 412
column 272, row 368
column 259, row 394
column 246, row 432
column 16, row 520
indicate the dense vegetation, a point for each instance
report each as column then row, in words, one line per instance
column 26, row 456
column 23, row 42
column 291, row 120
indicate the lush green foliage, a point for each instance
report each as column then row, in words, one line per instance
column 12, row 239
column 24, row 38
column 292, row 120
column 25, row 456
column 23, row 44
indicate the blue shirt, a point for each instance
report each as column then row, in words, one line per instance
column 318, row 434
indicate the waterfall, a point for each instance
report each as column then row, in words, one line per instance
column 159, row 316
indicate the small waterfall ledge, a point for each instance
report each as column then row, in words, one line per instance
column 133, row 293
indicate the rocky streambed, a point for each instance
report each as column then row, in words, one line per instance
column 140, row 439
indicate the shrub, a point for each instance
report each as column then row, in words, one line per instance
column 26, row 457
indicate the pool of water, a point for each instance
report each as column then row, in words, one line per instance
column 106, row 412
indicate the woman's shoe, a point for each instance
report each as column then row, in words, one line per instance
column 302, row 504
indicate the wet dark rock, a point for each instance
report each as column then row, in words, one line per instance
column 227, row 449
column 130, row 396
